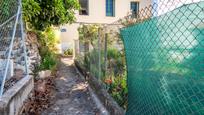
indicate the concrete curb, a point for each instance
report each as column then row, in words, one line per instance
column 107, row 101
column 98, row 103
column 12, row 100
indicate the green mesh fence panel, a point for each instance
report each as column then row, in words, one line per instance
column 165, row 61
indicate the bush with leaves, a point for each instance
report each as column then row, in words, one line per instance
column 88, row 33
column 31, row 8
column 68, row 52
column 48, row 49
column 116, row 61
column 118, row 90
column 41, row 14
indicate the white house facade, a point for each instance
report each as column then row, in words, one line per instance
column 98, row 12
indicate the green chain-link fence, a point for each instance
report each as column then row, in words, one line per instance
column 165, row 62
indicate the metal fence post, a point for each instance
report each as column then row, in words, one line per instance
column 105, row 54
column 23, row 41
column 99, row 54
column 76, row 48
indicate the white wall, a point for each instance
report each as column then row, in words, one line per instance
column 97, row 11
column 97, row 14
column 68, row 37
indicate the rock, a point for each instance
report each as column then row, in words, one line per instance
column 18, row 74
column 32, row 46
column 10, row 71
column 41, row 87
column 30, row 72
column 44, row 74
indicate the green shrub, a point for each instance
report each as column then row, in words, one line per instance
column 119, row 91
column 68, row 52
column 116, row 61
column 88, row 33
column 45, row 13
column 47, row 49
column 49, row 61
column 113, row 53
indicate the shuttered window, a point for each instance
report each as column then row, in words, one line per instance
column 110, row 7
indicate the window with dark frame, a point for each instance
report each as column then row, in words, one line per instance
column 84, row 7
column 110, row 7
column 134, row 8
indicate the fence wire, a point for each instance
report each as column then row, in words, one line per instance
column 13, row 58
column 165, row 58
column 100, row 51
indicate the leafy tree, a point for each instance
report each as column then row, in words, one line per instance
column 31, row 9
column 44, row 13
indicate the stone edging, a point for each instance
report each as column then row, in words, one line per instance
column 109, row 103
column 12, row 100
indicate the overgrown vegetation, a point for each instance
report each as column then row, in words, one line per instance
column 119, row 91
column 112, row 69
column 116, row 77
column 68, row 52
column 41, row 14
column 48, row 49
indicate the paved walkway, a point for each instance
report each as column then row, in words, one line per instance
column 72, row 96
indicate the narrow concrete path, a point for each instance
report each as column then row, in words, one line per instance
column 72, row 96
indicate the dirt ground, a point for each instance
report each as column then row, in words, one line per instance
column 68, row 96
column 72, row 96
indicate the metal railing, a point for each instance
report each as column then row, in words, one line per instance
column 13, row 56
